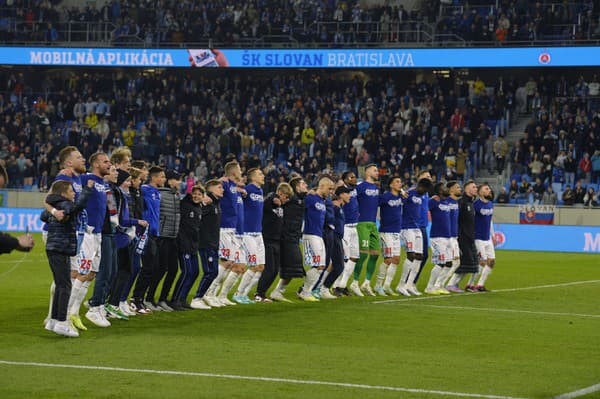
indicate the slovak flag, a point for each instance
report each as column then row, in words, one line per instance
column 536, row 214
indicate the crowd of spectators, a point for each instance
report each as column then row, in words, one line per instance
column 511, row 21
column 336, row 22
column 305, row 122
column 560, row 148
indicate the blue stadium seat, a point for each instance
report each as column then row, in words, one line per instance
column 556, row 187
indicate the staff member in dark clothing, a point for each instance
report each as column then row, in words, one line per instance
column 208, row 244
column 188, row 239
column 291, row 232
column 342, row 197
column 167, row 241
column 9, row 243
column 469, row 260
column 272, row 224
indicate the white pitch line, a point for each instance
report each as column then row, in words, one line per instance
column 264, row 379
column 579, row 392
column 535, row 287
column 507, row 310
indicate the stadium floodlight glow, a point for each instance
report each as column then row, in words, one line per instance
column 305, row 58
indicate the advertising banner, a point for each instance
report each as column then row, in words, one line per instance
column 21, row 219
column 303, row 58
column 548, row 238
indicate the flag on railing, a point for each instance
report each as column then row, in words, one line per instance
column 536, row 214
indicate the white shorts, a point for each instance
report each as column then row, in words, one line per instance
column 441, row 250
column 255, row 248
column 231, row 246
column 455, row 248
column 88, row 258
column 485, row 249
column 314, row 250
column 412, row 240
column 390, row 244
column 350, row 242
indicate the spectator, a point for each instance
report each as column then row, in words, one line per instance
column 549, row 197
column 579, row 192
column 585, row 167
column 502, row 197
column 568, row 196
column 591, row 198
column 596, row 167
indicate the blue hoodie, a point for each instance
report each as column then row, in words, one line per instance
column 151, row 212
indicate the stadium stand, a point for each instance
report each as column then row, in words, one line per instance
column 299, row 23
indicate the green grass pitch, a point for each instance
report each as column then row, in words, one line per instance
column 529, row 343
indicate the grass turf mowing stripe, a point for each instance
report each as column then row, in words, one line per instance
column 505, row 310
column 264, row 379
column 579, row 392
column 535, row 287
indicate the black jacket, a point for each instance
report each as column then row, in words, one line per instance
column 211, row 224
column 272, row 221
column 189, row 227
column 7, row 243
column 61, row 235
column 293, row 212
column 469, row 259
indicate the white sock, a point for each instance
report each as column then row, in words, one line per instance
column 52, row 288
column 75, row 287
column 455, row 279
column 381, row 273
column 228, row 284
column 414, row 271
column 435, row 273
column 252, row 283
column 442, row 277
column 214, row 286
column 389, row 276
column 484, row 275
column 312, row 275
column 281, row 286
column 246, row 279
column 321, row 280
column 342, row 281
column 475, row 276
column 405, row 272
column 80, row 296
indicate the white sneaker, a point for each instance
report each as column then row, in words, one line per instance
column 366, row 288
column 64, row 328
column 390, row 291
column 151, row 306
column 164, row 306
column 412, row 289
column 276, row 295
column 198, row 303
column 95, row 316
column 432, row 291
column 355, row 289
column 380, row 291
column 50, row 323
column 125, row 309
column 326, row 294
column 225, row 301
column 212, row 301
column 401, row 289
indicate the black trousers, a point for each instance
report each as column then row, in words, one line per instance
column 123, row 275
column 337, row 261
column 149, row 266
column 168, row 264
column 291, row 261
column 272, row 266
column 60, row 264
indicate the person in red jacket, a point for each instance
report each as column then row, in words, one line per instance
column 585, row 167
